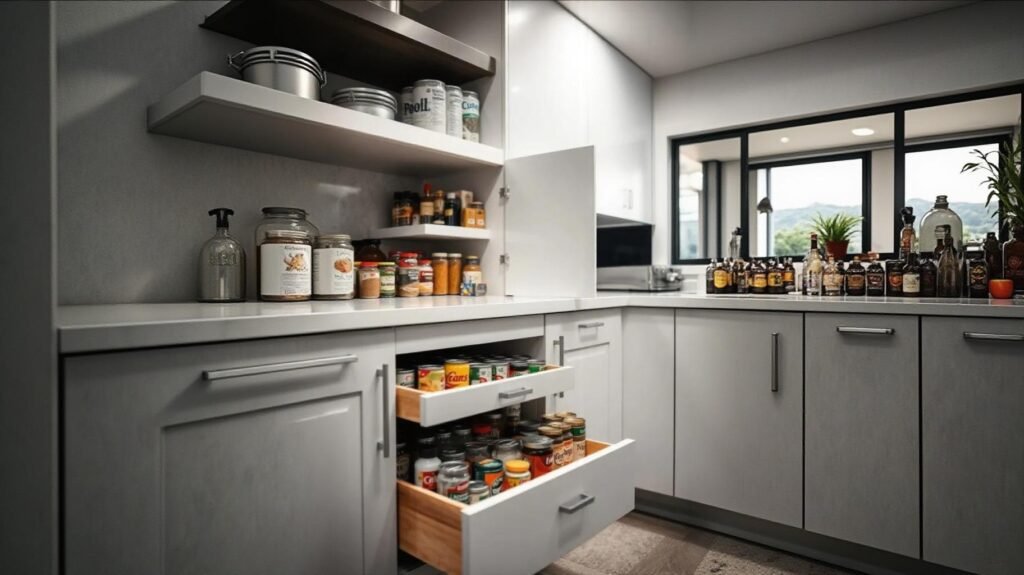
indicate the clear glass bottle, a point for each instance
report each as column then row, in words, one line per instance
column 947, row 280
column 941, row 215
column 812, row 268
column 222, row 264
column 830, row 278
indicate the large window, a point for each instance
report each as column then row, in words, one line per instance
column 798, row 192
column 691, row 188
column 934, row 172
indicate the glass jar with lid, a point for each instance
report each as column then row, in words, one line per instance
column 283, row 218
column 453, row 481
column 333, row 267
column 387, row 279
column 284, row 267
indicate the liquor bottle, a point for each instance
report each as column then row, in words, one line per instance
column 928, row 277
column 977, row 276
column 993, row 256
column 908, row 239
column 841, row 270
column 947, row 280
column 742, row 279
column 856, row 278
column 912, row 277
column 1013, row 259
column 830, row 278
column 812, row 268
column 894, row 278
column 875, row 279
column 731, row 268
column 721, row 278
column 789, row 276
column 775, row 278
column 709, row 277
column 759, row 278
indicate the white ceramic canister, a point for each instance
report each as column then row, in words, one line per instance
column 405, row 105
column 470, row 116
column 428, row 105
column 453, row 122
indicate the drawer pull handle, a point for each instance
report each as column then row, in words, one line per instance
column 590, row 324
column 581, row 501
column 385, row 382
column 214, row 374
column 993, row 336
column 775, row 362
column 866, row 330
column 522, row 391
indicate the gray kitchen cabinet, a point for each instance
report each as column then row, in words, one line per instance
column 739, row 399
column 268, row 456
column 862, row 439
column 972, row 420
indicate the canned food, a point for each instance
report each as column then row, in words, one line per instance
column 535, row 365
column 568, row 450
column 431, row 378
column 479, row 373
column 558, row 446
column 456, row 373
column 550, row 417
column 499, row 369
column 478, row 491
column 453, row 108
column 539, row 452
column 429, row 106
column 406, row 104
column 562, row 415
column 519, row 368
column 492, row 473
column 470, row 116
column 406, row 378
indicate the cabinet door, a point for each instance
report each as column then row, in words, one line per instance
column 739, row 398
column 648, row 392
column 251, row 457
column 972, row 418
column 862, row 455
column 589, row 398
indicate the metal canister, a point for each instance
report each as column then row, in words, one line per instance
column 499, row 369
column 406, row 378
column 470, row 116
column 453, row 107
column 456, row 373
column 535, row 365
column 519, row 368
column 479, row 373
column 405, row 105
column 429, row 105
column 431, row 377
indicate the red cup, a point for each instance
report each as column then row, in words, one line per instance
column 1001, row 289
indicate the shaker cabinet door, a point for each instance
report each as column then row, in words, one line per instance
column 972, row 416
column 861, row 460
column 739, row 397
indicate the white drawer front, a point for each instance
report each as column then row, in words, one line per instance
column 583, row 328
column 417, row 338
column 538, row 515
column 442, row 406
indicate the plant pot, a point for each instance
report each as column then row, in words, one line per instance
column 837, row 249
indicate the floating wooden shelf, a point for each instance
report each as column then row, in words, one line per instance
column 220, row 110
column 359, row 40
column 432, row 232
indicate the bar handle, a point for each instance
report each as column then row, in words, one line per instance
column 522, row 391
column 581, row 501
column 973, row 335
column 866, row 330
column 385, row 379
column 590, row 324
column 215, row 374
column 775, row 362
column 560, row 342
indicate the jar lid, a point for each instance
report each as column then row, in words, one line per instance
column 538, row 442
column 427, row 82
column 549, row 431
column 439, row 255
column 561, row 425
column 476, row 204
column 477, row 258
column 386, row 264
column 409, row 255
column 288, row 234
column 455, row 468
column 337, row 237
column 469, row 93
column 454, row 255
column 284, row 211
column 517, row 466
column 452, row 88
column 368, row 264
column 478, row 487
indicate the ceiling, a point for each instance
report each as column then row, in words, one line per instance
column 668, row 37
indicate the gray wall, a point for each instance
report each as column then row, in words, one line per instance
column 132, row 205
column 28, row 352
column 978, row 45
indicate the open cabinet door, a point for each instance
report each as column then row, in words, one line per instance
column 550, row 225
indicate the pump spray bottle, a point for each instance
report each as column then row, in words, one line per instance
column 222, row 264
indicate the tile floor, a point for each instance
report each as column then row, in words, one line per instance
column 640, row 544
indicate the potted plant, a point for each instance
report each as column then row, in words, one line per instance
column 1005, row 185
column 836, row 231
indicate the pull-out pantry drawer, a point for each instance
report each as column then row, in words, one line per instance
column 520, row 531
column 432, row 408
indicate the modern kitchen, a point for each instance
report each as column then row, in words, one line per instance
column 512, row 287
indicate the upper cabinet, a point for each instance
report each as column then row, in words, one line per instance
column 569, row 88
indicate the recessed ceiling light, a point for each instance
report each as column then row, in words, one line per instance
column 862, row 131
column 784, row 140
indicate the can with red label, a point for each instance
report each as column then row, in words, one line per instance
column 480, row 373
column 539, row 451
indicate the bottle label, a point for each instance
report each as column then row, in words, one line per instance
column 760, row 281
column 876, row 280
column 427, row 480
column 911, row 283
column 775, row 279
column 333, row 271
column 285, row 269
column 854, row 282
column 721, row 279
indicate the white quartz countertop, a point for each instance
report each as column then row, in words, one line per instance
column 98, row 328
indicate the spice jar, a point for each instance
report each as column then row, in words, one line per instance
column 284, row 266
column 579, row 437
column 568, row 449
column 333, row 267
column 454, row 274
column 439, row 261
column 478, row 209
column 472, row 276
column 557, row 447
column 508, row 449
column 408, row 275
column 453, row 481
column 539, row 452
column 517, row 472
column 387, row 279
column 369, row 280
column 426, row 282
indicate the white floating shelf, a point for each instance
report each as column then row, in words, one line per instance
column 432, row 232
column 221, row 110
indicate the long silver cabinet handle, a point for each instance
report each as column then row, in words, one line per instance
column 993, row 336
column 590, row 324
column 775, row 362
column 866, row 330
column 517, row 393
column 214, row 374
column 581, row 501
column 385, row 380
column 560, row 343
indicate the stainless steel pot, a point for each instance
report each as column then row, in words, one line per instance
column 282, row 69
column 367, row 100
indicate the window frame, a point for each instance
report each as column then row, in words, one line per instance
column 899, row 145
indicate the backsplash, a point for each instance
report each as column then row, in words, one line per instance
column 132, row 205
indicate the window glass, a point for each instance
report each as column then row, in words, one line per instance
column 691, row 186
column 937, row 172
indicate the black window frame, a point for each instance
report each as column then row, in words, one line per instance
column 743, row 133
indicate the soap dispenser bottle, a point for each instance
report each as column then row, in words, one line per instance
column 222, row 264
